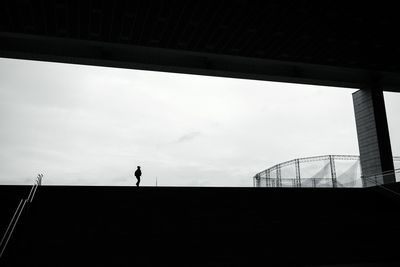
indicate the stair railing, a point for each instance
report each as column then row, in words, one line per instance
column 22, row 205
column 374, row 179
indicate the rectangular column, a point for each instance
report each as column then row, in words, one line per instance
column 373, row 136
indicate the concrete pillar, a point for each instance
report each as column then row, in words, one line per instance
column 373, row 136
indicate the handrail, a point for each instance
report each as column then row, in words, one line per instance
column 294, row 182
column 383, row 185
column 38, row 182
column 381, row 174
column 17, row 214
column 30, row 192
column 9, row 226
column 13, row 227
column 277, row 182
column 33, row 194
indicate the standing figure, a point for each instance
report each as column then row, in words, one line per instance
column 138, row 173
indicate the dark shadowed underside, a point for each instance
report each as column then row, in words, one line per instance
column 348, row 44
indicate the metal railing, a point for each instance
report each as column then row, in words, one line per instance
column 304, row 182
column 363, row 181
column 22, row 205
column 296, row 169
column 377, row 178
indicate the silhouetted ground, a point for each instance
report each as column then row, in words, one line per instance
column 187, row 226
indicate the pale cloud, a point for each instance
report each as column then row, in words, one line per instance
column 188, row 137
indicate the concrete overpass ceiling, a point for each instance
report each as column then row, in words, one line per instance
column 323, row 42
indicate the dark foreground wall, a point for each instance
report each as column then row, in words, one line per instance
column 167, row 226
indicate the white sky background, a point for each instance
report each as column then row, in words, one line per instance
column 392, row 102
column 93, row 125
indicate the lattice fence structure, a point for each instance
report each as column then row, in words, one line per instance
column 318, row 171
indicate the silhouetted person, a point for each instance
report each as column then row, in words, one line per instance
column 138, row 173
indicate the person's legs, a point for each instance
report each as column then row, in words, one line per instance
column 138, row 180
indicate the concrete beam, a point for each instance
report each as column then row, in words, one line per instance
column 67, row 50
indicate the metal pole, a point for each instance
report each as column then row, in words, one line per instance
column 278, row 175
column 31, row 191
column 11, row 223
column 268, row 178
column 13, row 227
column 33, row 194
column 298, row 177
column 333, row 170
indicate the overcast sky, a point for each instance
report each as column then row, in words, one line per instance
column 93, row 125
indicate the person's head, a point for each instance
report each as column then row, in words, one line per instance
column 138, row 167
